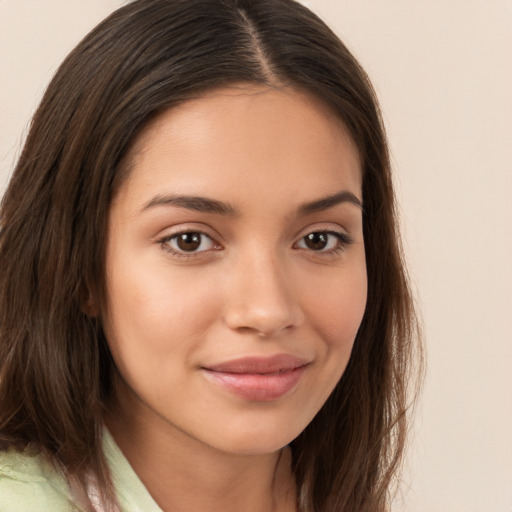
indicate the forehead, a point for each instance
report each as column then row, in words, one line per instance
column 235, row 140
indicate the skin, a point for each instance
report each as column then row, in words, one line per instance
column 253, row 287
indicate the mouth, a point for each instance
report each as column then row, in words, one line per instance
column 258, row 379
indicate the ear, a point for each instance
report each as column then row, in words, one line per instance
column 90, row 307
column 89, row 303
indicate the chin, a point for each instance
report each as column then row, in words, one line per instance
column 255, row 439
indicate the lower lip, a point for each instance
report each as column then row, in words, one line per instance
column 258, row 387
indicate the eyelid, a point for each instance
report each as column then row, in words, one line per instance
column 344, row 240
column 334, row 228
column 164, row 240
column 188, row 227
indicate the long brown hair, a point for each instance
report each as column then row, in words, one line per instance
column 149, row 55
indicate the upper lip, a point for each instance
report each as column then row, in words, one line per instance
column 261, row 365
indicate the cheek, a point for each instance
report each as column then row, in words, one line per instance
column 336, row 313
column 334, row 316
column 155, row 313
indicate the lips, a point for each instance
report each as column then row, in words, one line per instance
column 260, row 379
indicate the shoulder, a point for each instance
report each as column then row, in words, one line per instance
column 28, row 482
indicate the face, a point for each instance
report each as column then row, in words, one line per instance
column 236, row 277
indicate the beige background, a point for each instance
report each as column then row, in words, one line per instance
column 443, row 71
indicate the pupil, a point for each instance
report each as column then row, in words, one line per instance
column 189, row 241
column 316, row 241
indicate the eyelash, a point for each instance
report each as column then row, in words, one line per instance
column 343, row 241
column 167, row 240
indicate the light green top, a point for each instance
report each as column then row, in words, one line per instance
column 29, row 484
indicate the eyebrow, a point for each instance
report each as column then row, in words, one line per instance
column 196, row 203
column 207, row 205
column 325, row 203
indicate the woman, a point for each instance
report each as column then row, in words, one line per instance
column 203, row 302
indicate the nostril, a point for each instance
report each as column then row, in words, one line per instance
column 260, row 299
column 263, row 323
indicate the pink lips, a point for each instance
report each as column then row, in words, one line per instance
column 260, row 379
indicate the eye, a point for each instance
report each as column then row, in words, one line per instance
column 188, row 242
column 324, row 241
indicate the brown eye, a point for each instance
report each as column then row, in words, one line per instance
column 324, row 241
column 189, row 242
column 316, row 241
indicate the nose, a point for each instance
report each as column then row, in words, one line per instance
column 260, row 298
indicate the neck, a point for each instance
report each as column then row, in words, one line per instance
column 182, row 473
